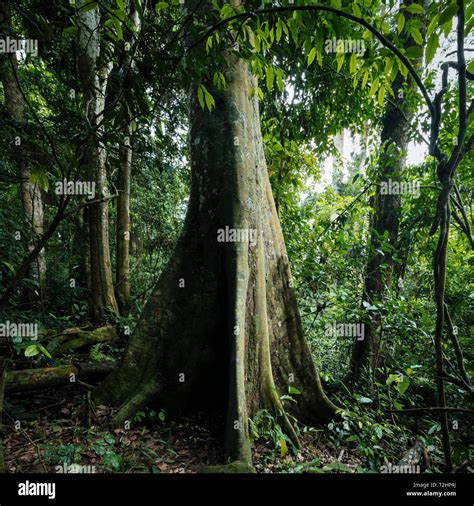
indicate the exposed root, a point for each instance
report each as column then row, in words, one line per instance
column 139, row 401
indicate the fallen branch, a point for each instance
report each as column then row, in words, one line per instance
column 74, row 338
column 33, row 379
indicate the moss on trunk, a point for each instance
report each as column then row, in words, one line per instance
column 222, row 328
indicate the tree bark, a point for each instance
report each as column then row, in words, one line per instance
column 30, row 193
column 122, row 278
column 122, row 285
column 384, row 225
column 48, row 377
column 222, row 328
column 93, row 75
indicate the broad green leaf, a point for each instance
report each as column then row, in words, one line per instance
column 356, row 10
column 311, row 56
column 201, row 96
column 381, row 95
column 294, row 390
column 448, row 13
column 160, row 6
column 431, row 46
column 401, row 23
column 373, row 88
column 209, row 44
column 402, row 68
column 39, row 178
column 416, row 34
column 415, row 9
column 365, row 79
column 118, row 28
column 414, row 52
column 280, row 76
column 32, row 350
column 353, row 63
column 210, row 103
column 278, row 30
column 340, row 60
column 44, row 350
column 270, row 77
column 403, row 385
column 433, row 24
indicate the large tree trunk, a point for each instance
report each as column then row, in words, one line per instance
column 222, row 328
column 93, row 74
column 30, row 193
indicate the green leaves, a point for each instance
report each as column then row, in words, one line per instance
column 39, row 178
column 353, row 63
column 280, row 75
column 431, row 47
column 270, row 77
column 374, row 86
column 448, row 13
column 205, row 98
column 416, row 34
column 160, row 6
column 414, row 52
column 381, row 96
column 415, row 9
column 400, row 23
column 35, row 349
column 401, row 382
column 311, row 56
column 356, row 10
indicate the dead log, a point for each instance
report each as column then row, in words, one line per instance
column 3, row 370
column 75, row 338
column 47, row 377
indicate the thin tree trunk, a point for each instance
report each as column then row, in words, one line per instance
column 384, row 227
column 30, row 193
column 122, row 285
column 93, row 74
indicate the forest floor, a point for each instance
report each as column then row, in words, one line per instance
column 58, row 428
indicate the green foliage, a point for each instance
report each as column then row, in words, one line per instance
column 110, row 460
